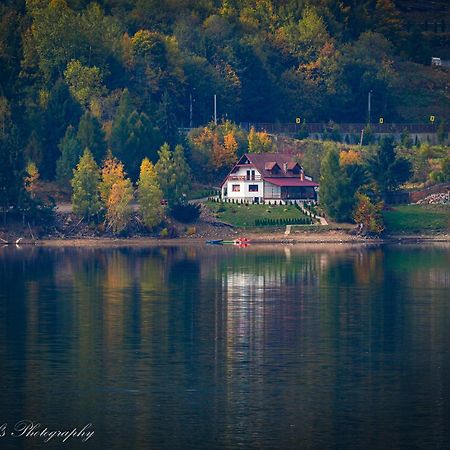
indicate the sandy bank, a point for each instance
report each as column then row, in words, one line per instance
column 329, row 237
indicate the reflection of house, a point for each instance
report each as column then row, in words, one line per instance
column 268, row 177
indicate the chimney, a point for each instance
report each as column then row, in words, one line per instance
column 302, row 175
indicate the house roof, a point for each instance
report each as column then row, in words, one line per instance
column 270, row 165
column 291, row 182
column 265, row 162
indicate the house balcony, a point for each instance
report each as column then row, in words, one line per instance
column 244, row 178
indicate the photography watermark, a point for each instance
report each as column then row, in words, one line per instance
column 35, row 430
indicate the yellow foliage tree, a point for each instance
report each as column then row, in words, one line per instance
column 259, row 142
column 112, row 171
column 118, row 209
column 31, row 179
column 150, row 195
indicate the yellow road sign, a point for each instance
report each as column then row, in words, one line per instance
column 381, row 119
column 298, row 120
column 432, row 118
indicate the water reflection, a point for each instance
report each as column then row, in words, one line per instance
column 193, row 347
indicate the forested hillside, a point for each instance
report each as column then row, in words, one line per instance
column 121, row 74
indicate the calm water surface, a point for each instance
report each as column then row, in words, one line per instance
column 306, row 347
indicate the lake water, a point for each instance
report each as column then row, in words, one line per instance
column 296, row 347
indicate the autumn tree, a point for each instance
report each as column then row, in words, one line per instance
column 118, row 208
column 150, row 195
column 224, row 155
column 259, row 142
column 85, row 187
column 85, row 83
column 116, row 193
column 31, row 178
column 369, row 215
column 304, row 39
column 112, row 172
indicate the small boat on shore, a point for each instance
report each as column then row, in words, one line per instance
column 239, row 241
column 215, row 241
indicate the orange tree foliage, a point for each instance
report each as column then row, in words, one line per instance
column 369, row 215
column 224, row 155
column 216, row 147
column 350, row 157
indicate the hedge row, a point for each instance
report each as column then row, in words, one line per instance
column 281, row 222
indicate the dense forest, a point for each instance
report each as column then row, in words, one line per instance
column 124, row 75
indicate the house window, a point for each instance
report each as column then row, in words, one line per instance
column 236, row 187
column 253, row 174
column 248, row 174
column 253, row 188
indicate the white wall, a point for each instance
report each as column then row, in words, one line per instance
column 244, row 192
column 244, row 189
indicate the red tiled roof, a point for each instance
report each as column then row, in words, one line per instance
column 292, row 165
column 262, row 162
column 270, row 165
column 291, row 182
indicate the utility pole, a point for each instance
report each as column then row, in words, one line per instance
column 215, row 109
column 369, row 106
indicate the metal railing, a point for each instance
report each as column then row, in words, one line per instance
column 345, row 128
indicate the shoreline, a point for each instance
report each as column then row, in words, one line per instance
column 328, row 237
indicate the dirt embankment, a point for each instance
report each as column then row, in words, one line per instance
column 69, row 230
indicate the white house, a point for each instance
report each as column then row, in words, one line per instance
column 268, row 178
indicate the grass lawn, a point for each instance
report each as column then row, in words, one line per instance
column 417, row 218
column 246, row 215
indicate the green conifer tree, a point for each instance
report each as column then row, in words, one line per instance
column 85, row 186
column 165, row 173
column 336, row 194
column 71, row 152
column 11, row 172
column 61, row 110
column 133, row 136
column 182, row 175
column 91, row 135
